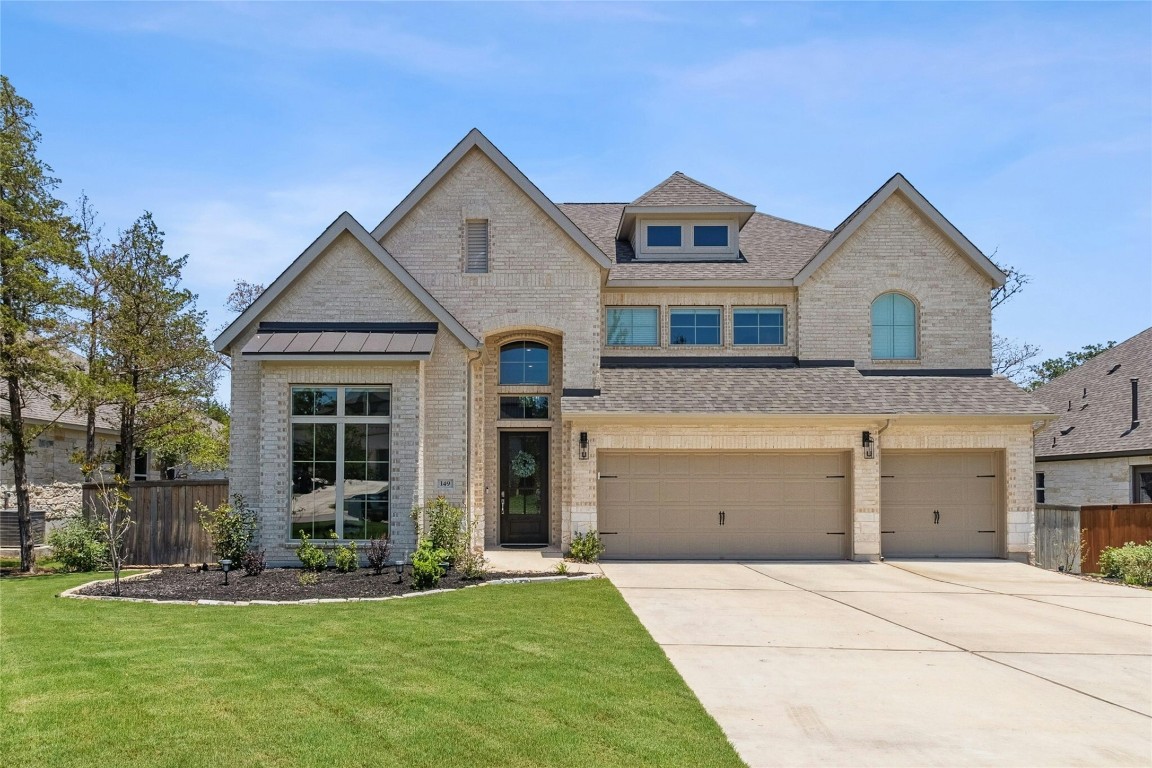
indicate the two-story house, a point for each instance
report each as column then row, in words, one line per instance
column 688, row 376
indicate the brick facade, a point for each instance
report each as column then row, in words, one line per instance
column 897, row 249
column 1090, row 481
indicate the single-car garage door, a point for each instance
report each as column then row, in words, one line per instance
column 723, row 505
column 942, row 504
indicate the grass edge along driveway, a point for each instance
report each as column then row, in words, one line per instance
column 524, row 675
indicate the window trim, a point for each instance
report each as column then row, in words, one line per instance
column 340, row 420
column 758, row 308
column 1040, row 489
column 607, row 339
column 915, row 357
column 687, row 248
column 1134, row 493
column 719, row 310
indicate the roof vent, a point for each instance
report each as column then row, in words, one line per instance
column 1113, row 369
column 1135, row 403
column 1069, row 405
column 1085, row 392
column 1066, row 431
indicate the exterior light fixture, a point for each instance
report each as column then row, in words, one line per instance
column 227, row 566
column 583, row 445
column 869, row 445
column 399, row 571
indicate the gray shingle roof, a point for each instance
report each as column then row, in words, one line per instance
column 799, row 391
column 40, row 408
column 679, row 189
column 772, row 248
column 1101, row 422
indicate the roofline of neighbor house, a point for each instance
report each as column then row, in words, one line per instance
column 477, row 140
column 345, row 222
column 856, row 219
column 1101, row 455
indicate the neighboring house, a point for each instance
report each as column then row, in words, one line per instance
column 50, row 457
column 684, row 374
column 1099, row 450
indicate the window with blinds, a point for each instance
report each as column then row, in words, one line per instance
column 476, row 246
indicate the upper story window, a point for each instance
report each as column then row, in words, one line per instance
column 524, row 363
column 476, row 246
column 694, row 325
column 757, row 325
column 663, row 239
column 632, row 326
column 893, row 328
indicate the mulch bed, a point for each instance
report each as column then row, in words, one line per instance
column 279, row 584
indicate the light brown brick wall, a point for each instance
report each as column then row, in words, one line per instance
column 897, row 250
column 538, row 278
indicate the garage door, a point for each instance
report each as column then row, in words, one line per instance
column 940, row 504
column 723, row 505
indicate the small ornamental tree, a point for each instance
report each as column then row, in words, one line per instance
column 112, row 518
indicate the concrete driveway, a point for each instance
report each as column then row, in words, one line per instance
column 906, row 663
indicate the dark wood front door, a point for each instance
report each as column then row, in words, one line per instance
column 523, row 487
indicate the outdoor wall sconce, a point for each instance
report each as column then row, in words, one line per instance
column 869, row 445
column 227, row 566
column 583, row 445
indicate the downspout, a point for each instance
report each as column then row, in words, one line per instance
column 473, row 356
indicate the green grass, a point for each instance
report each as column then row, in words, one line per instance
column 527, row 675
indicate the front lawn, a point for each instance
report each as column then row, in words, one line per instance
column 524, row 675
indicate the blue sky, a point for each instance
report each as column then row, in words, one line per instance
column 247, row 128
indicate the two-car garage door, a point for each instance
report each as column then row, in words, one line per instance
column 795, row 506
column 718, row 505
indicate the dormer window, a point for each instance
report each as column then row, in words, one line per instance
column 687, row 239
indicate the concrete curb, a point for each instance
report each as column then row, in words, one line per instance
column 74, row 592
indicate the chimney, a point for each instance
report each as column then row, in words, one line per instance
column 1135, row 403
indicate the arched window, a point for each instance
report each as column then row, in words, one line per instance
column 893, row 328
column 524, row 362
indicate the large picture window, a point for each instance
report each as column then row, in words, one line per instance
column 632, row 327
column 340, row 461
column 524, row 363
column 893, row 328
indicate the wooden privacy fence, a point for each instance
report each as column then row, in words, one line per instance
column 1113, row 525
column 1058, row 537
column 166, row 528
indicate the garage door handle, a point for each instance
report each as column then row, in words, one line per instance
column 936, row 517
column 722, row 516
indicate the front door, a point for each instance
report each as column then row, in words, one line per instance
column 523, row 487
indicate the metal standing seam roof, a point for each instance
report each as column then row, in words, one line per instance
column 1094, row 407
column 800, row 391
column 347, row 339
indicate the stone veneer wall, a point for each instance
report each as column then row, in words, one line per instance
column 50, row 460
column 1013, row 441
column 1090, row 481
column 898, row 250
column 726, row 300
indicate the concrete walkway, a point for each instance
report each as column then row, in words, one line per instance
column 906, row 663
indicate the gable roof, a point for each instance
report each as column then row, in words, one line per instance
column 478, row 141
column 857, row 218
column 345, row 222
column 1100, row 422
column 680, row 189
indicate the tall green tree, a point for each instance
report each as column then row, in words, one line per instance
column 1057, row 366
column 36, row 249
column 157, row 354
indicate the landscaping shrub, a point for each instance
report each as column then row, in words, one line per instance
column 1131, row 562
column 442, row 523
column 426, row 565
column 378, row 551
column 78, row 546
column 345, row 558
column 230, row 526
column 253, row 562
column 312, row 558
column 586, row 547
column 472, row 564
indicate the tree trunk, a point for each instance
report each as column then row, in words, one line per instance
column 20, row 476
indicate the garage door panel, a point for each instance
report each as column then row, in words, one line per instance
column 940, row 504
column 776, row 505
